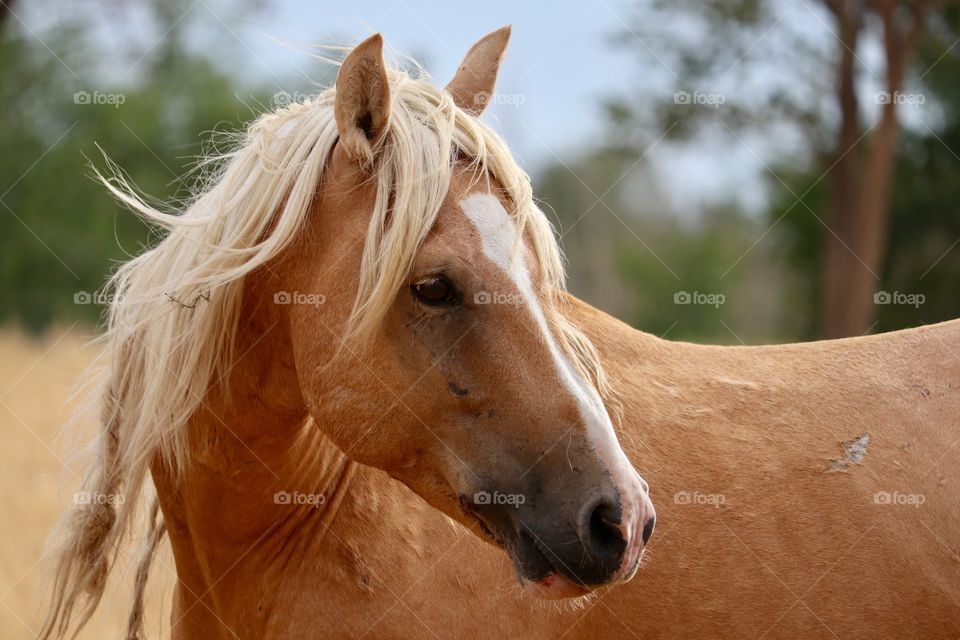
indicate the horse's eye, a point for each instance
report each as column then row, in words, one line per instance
column 435, row 291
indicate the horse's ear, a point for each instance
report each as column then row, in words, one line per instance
column 472, row 86
column 363, row 99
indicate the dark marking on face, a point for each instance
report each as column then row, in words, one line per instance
column 457, row 391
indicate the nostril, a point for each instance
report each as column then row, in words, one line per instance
column 603, row 532
column 648, row 529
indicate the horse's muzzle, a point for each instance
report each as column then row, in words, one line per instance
column 565, row 547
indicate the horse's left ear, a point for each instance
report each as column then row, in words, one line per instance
column 362, row 104
column 472, row 86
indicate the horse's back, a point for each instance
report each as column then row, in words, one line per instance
column 803, row 489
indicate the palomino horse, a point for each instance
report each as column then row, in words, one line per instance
column 357, row 338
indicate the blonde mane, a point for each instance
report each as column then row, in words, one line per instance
column 172, row 324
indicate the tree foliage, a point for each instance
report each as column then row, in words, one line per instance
column 60, row 232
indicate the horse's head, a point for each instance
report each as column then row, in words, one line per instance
column 467, row 385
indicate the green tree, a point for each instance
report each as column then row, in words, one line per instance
column 60, row 232
column 748, row 68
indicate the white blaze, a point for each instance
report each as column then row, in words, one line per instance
column 498, row 233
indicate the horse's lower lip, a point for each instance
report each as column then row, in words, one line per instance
column 554, row 586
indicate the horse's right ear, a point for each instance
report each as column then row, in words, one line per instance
column 472, row 86
column 362, row 105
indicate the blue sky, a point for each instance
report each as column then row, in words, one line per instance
column 560, row 66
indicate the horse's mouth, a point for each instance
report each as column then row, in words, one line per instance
column 536, row 572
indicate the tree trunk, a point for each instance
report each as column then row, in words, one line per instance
column 6, row 7
column 856, row 242
column 838, row 262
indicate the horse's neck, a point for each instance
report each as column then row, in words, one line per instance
column 262, row 481
column 293, row 515
column 236, row 487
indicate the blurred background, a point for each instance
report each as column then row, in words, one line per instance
column 733, row 172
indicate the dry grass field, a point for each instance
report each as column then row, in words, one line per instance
column 37, row 376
